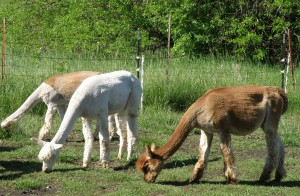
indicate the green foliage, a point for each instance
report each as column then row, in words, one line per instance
column 245, row 29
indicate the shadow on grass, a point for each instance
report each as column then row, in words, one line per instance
column 130, row 164
column 272, row 183
column 175, row 164
column 15, row 169
column 69, row 169
column 248, row 183
column 7, row 148
column 175, row 183
column 169, row 165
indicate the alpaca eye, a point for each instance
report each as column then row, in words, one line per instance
column 145, row 169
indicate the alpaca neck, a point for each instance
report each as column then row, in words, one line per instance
column 186, row 124
column 30, row 102
column 66, row 126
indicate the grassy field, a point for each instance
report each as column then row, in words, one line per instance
column 164, row 103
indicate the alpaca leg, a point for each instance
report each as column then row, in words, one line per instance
column 104, row 140
column 112, row 126
column 280, row 170
column 275, row 149
column 274, row 157
column 61, row 111
column 45, row 130
column 88, row 145
column 132, row 134
column 229, row 166
column 121, row 131
column 204, row 149
column 96, row 133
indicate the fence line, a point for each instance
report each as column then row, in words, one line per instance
column 88, row 56
column 12, row 56
column 240, row 73
column 69, row 58
column 38, row 56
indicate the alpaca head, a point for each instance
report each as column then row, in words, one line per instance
column 48, row 154
column 150, row 164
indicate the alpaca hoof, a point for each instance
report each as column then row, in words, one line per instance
column 194, row 180
column 279, row 176
column 263, row 180
column 105, row 164
column 232, row 181
column 119, row 157
column 265, row 177
column 196, row 176
column 278, row 179
column 128, row 158
column 85, row 165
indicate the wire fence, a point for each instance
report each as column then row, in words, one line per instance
column 40, row 64
column 33, row 64
column 35, row 58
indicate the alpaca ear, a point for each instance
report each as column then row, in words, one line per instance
column 58, row 146
column 38, row 141
column 153, row 147
column 148, row 152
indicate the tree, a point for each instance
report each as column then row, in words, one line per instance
column 245, row 29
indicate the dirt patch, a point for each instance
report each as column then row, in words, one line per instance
column 49, row 190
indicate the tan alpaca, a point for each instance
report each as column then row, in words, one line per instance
column 56, row 93
column 224, row 111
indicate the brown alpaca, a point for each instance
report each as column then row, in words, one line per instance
column 233, row 110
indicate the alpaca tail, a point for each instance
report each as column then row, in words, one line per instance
column 285, row 100
column 30, row 102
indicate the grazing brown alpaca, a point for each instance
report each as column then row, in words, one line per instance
column 233, row 110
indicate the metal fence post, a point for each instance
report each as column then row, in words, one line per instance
column 138, row 53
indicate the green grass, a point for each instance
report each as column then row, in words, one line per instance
column 164, row 103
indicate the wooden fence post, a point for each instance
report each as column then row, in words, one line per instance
column 3, row 47
column 169, row 45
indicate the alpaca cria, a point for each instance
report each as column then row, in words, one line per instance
column 97, row 97
column 224, row 111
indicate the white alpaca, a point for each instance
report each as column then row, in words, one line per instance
column 56, row 93
column 96, row 98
